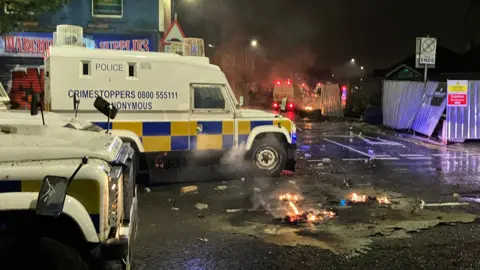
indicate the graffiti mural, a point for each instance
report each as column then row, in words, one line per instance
column 21, row 81
column 24, row 83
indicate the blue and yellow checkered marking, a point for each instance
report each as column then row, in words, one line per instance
column 182, row 135
column 85, row 191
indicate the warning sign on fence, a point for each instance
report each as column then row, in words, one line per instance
column 457, row 93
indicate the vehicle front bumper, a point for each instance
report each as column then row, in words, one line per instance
column 291, row 162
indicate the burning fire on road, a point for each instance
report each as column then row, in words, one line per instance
column 295, row 215
column 355, row 198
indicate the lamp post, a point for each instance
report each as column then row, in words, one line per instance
column 253, row 44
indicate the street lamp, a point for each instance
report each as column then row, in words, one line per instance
column 361, row 67
column 352, row 60
column 254, row 43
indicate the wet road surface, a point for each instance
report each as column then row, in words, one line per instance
column 240, row 228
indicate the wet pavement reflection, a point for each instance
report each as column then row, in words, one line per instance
column 242, row 227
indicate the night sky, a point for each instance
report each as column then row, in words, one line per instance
column 377, row 33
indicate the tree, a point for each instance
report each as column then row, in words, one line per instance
column 14, row 12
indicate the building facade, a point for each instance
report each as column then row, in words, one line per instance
column 107, row 24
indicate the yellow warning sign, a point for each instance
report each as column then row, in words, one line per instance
column 457, row 86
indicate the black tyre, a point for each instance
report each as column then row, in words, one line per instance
column 269, row 156
column 52, row 254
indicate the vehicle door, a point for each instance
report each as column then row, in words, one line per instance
column 213, row 116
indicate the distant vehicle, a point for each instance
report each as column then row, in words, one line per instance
column 281, row 90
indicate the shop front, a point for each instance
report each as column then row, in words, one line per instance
column 22, row 55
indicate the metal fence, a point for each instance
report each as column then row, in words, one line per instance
column 330, row 100
column 431, row 109
column 464, row 122
column 401, row 101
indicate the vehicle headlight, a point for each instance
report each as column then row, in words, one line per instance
column 115, row 189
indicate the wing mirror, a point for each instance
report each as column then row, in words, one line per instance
column 107, row 109
column 37, row 102
column 53, row 191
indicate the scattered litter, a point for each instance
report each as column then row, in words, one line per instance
column 175, row 208
column 147, row 190
column 326, row 160
column 292, row 182
column 171, row 200
column 205, row 240
column 201, row 206
column 221, row 188
column 256, row 189
column 188, row 189
column 234, row 210
column 347, row 182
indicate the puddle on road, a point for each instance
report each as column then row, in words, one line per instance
column 349, row 234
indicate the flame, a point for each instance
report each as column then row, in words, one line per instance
column 294, row 208
column 383, row 200
column 311, row 217
column 328, row 214
column 295, row 214
column 354, row 197
column 288, row 197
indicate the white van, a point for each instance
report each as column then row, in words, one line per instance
column 177, row 105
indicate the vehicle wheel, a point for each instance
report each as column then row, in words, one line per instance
column 269, row 156
column 125, row 264
column 52, row 254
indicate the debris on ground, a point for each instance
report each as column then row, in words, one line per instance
column 347, row 182
column 292, row 182
column 188, row 189
column 256, row 189
column 234, row 210
column 175, row 208
column 171, row 200
column 221, row 188
column 201, row 206
column 326, row 160
column 147, row 190
column 286, row 172
column 205, row 240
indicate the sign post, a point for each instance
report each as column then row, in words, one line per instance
column 457, row 93
column 426, row 50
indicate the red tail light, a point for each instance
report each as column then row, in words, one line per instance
column 275, row 105
column 290, row 105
